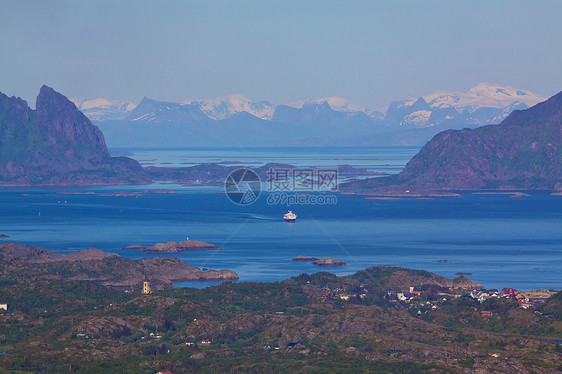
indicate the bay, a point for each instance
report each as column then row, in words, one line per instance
column 503, row 242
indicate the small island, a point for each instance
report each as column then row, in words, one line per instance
column 159, row 191
column 4, row 236
column 173, row 247
column 122, row 194
column 304, row 259
column 325, row 261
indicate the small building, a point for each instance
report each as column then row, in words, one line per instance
column 4, row 306
column 508, row 291
column 206, row 341
column 486, row 313
column 146, row 286
column 416, row 290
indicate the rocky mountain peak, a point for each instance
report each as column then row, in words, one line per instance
column 56, row 145
column 63, row 125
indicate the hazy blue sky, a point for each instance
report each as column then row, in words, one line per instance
column 277, row 51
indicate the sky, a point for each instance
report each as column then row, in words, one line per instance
column 369, row 52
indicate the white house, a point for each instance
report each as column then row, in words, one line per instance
column 4, row 306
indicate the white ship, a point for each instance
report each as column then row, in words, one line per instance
column 290, row 217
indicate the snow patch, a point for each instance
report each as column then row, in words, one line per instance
column 224, row 107
column 104, row 109
column 408, row 102
column 417, row 119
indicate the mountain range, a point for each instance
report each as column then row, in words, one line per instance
column 329, row 120
column 523, row 152
column 56, row 144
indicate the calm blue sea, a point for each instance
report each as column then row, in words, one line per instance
column 500, row 240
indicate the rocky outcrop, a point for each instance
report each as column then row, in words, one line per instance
column 523, row 152
column 181, row 246
column 81, row 255
column 305, row 259
column 465, row 283
column 55, row 144
column 175, row 269
column 16, row 251
column 391, row 277
column 324, row 261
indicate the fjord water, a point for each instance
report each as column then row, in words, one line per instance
column 502, row 241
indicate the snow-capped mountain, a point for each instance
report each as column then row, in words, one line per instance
column 162, row 112
column 224, row 107
column 481, row 105
column 103, row 109
column 411, row 121
column 483, row 95
column 336, row 103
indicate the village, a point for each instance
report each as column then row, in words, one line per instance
column 424, row 298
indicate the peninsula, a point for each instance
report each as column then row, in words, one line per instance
column 108, row 269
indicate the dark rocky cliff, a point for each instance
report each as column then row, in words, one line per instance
column 57, row 145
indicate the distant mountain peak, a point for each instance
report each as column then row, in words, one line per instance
column 409, row 101
column 490, row 95
column 223, row 107
column 336, row 103
column 101, row 109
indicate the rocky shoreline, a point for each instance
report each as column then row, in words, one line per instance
column 108, row 269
